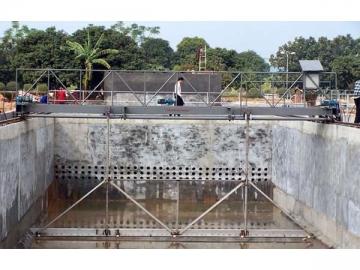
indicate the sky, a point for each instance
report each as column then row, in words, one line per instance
column 261, row 26
column 263, row 37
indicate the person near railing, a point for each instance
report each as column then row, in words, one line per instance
column 298, row 94
column 177, row 93
column 357, row 101
column 61, row 96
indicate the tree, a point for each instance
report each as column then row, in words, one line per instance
column 15, row 33
column 304, row 49
column 131, row 56
column 8, row 44
column 157, row 54
column 186, row 52
column 138, row 33
column 89, row 55
column 347, row 69
column 251, row 61
column 41, row 50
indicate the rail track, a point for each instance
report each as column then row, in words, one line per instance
column 11, row 121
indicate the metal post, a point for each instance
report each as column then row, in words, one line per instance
column 107, row 170
column 112, row 90
column 48, row 92
column 246, row 170
column 241, row 90
column 145, row 89
column 208, row 95
column 80, row 88
column 287, row 71
column 177, row 206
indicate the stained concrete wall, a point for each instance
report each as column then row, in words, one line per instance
column 315, row 169
column 26, row 171
column 148, row 149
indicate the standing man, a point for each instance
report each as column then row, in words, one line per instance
column 61, row 96
column 177, row 93
column 357, row 101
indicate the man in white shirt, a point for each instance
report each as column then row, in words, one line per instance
column 177, row 93
column 357, row 101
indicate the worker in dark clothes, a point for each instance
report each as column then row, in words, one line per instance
column 357, row 101
column 44, row 99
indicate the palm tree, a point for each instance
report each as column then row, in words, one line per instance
column 89, row 55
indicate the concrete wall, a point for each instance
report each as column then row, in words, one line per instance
column 313, row 166
column 315, row 169
column 26, row 171
column 6, row 115
column 162, row 149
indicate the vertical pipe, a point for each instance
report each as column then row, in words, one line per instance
column 177, row 205
column 241, row 90
column 107, row 172
column 112, row 90
column 80, row 83
column 145, row 88
column 246, row 171
column 247, row 94
column 208, row 96
column 48, row 92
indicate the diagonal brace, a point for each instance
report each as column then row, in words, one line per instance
column 71, row 207
column 140, row 206
column 212, row 207
column 267, row 197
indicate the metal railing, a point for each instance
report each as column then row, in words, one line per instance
column 141, row 88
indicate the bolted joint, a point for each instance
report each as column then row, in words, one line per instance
column 106, row 232
column 244, row 233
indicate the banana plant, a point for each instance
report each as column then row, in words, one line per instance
column 89, row 55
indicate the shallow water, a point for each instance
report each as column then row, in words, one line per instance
column 91, row 213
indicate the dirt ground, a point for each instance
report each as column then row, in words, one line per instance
column 6, row 105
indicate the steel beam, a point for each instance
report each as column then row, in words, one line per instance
column 124, row 232
column 164, row 111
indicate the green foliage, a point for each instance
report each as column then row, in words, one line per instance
column 2, row 86
column 251, row 61
column 231, row 92
column 11, row 86
column 43, row 88
column 309, row 49
column 187, row 49
column 226, row 79
column 254, row 93
column 27, row 86
column 347, row 69
column 15, row 33
column 137, row 32
column 72, row 87
column 89, row 55
column 39, row 49
column 157, row 53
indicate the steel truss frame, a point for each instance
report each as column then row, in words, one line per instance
column 176, row 232
column 144, row 111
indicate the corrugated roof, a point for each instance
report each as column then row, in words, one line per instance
column 311, row 65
